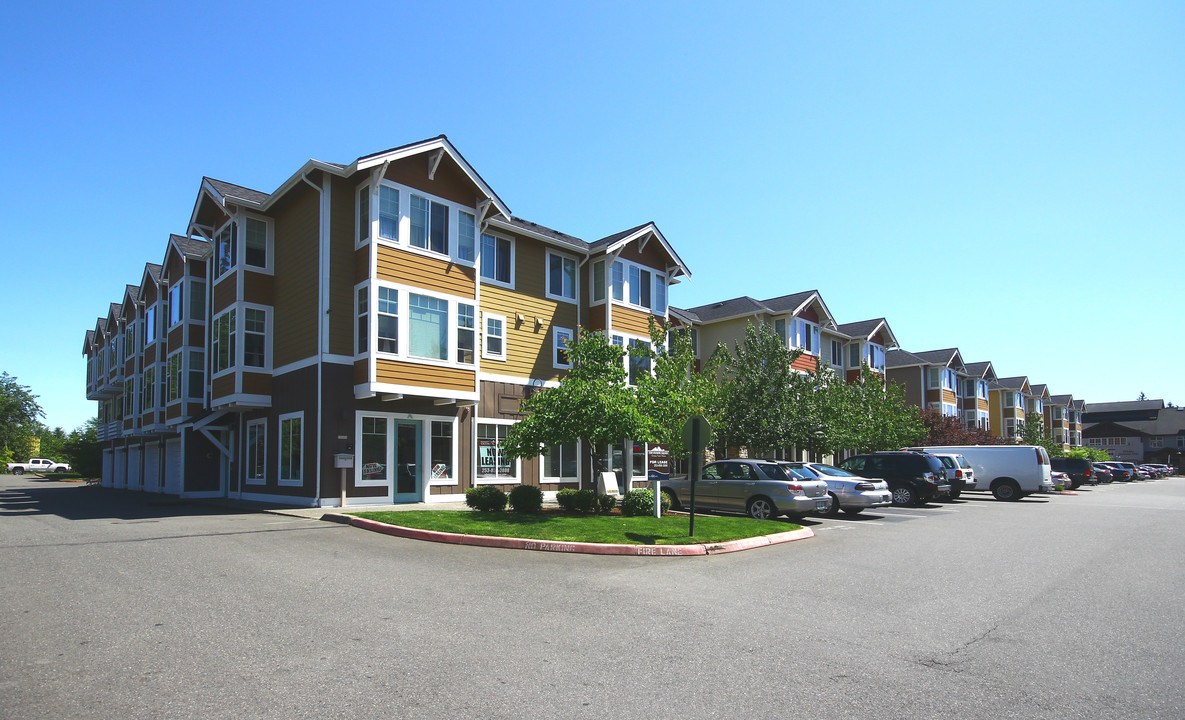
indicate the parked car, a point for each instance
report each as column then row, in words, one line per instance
column 1118, row 472
column 37, row 465
column 1062, row 480
column 1009, row 471
column 959, row 473
column 1080, row 470
column 1152, row 472
column 851, row 493
column 1137, row 474
column 914, row 478
column 1103, row 473
column 759, row 488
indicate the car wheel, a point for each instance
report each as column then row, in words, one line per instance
column 954, row 494
column 1075, row 484
column 674, row 500
column 61, row 470
column 18, row 471
column 1006, row 490
column 904, row 496
column 853, row 511
column 760, row 508
column 834, row 509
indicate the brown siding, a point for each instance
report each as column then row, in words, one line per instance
column 296, row 264
column 654, row 255
column 258, row 288
column 631, row 321
column 594, row 318
column 223, row 386
column 809, row 313
column 150, row 354
column 361, row 266
column 805, row 363
column 341, row 268
column 417, row 270
column 361, row 372
column 173, row 412
column 933, row 395
column 449, row 182
column 257, row 383
column 403, row 373
column 197, row 336
column 224, row 292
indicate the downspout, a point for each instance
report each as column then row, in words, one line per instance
column 322, row 265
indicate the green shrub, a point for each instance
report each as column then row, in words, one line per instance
column 581, row 501
column 606, row 502
column 485, row 498
column 526, row 499
column 641, row 502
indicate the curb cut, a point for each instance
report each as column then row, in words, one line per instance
column 571, row 547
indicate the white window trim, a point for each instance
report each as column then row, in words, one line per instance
column 513, row 256
column 269, row 244
column 544, row 478
column 280, row 479
column 425, row 446
column 234, row 359
column 165, row 401
column 370, row 201
column 267, row 338
column 247, row 479
column 656, row 276
column 426, row 450
column 235, row 263
column 404, row 321
column 371, row 328
column 516, row 479
column 592, row 282
column 556, row 332
column 547, row 278
column 484, row 328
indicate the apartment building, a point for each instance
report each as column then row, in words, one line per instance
column 975, row 381
column 1008, row 399
column 363, row 334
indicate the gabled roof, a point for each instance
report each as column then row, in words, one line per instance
column 1040, row 389
column 229, row 192
column 542, row 232
column 899, row 358
column 1065, row 400
column 190, row 248
column 1080, row 405
column 981, row 370
column 1017, row 382
column 88, row 342
column 726, row 309
column 867, row 329
column 1129, row 405
column 948, row 357
column 685, row 317
column 611, row 243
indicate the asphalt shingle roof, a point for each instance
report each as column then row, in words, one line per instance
column 901, row 358
column 230, row 190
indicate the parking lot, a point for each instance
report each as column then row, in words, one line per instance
column 117, row 604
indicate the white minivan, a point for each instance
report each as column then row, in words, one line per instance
column 1009, row 471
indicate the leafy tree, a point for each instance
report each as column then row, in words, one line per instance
column 676, row 390
column 19, row 416
column 760, row 390
column 592, row 404
column 824, row 411
column 881, row 419
column 81, row 449
column 1090, row 453
column 948, row 430
column 1031, row 431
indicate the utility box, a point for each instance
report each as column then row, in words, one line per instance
column 343, row 460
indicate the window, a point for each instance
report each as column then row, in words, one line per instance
column 854, row 355
column 148, row 388
column 441, row 450
column 492, row 464
column 561, row 277
column 362, row 326
column 598, row 281
column 175, row 303
column 225, row 249
column 255, row 338
column 876, row 357
column 836, row 353
column 197, row 300
column 256, row 451
column 129, row 398
column 496, row 259
column 255, row 243
column 388, row 213
column 197, row 375
column 427, row 327
column 129, row 340
column 388, row 320
column 149, row 325
column 560, row 463
column 560, row 337
column 373, row 459
column 173, row 375
column 639, row 360
column 466, row 331
column 1010, row 399
column 466, row 236
column 617, row 280
column 223, row 350
column 808, row 336
column 1157, row 442
column 660, row 295
column 949, row 378
column 429, row 225
column 363, row 215
column 639, row 286
column 933, row 378
column 495, row 337
column 780, row 330
column 291, row 449
column 1010, row 427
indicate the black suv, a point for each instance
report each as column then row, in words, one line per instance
column 914, row 478
column 1080, row 470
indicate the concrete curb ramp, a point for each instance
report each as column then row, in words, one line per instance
column 572, row 547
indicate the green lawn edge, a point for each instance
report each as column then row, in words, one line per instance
column 601, row 529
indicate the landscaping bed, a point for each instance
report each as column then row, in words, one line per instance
column 564, row 526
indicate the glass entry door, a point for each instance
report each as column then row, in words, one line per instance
column 407, row 462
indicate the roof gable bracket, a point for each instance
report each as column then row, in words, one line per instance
column 642, row 243
column 216, row 443
column 483, row 208
column 434, row 162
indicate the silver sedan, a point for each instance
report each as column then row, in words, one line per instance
column 758, row 488
column 851, row 493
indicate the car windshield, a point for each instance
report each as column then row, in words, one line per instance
column 831, row 470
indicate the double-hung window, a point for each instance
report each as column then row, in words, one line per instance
column 148, row 388
column 429, row 224
column 494, row 346
column 561, row 337
column 362, row 320
column 497, row 254
column 173, row 377
column 617, row 280
column 561, row 277
column 226, row 248
column 837, row 353
column 255, row 337
column 197, row 375
column 388, row 320
column 291, row 449
column 255, row 243
column 389, row 213
column 639, row 286
column 197, row 300
column 466, row 333
column 223, row 350
column 256, row 451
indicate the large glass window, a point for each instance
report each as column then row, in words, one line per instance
column 255, row 245
column 388, row 213
column 560, row 463
column 388, row 318
column 149, row 325
column 374, row 449
column 492, row 462
column 223, row 351
column 197, row 299
column 175, row 303
column 255, row 338
column 427, row 327
column 466, row 331
column 256, row 450
column 639, row 360
column 561, row 276
column 291, row 449
column 429, row 225
column 441, row 450
column 496, row 258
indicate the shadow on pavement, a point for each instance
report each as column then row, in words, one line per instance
column 74, row 501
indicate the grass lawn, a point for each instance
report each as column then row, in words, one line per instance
column 617, row 529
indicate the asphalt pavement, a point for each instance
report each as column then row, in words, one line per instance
column 115, row 604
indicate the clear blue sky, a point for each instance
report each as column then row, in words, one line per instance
column 1005, row 178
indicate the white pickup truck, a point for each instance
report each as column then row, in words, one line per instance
column 37, row 465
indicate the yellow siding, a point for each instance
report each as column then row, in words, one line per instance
column 407, row 268
column 632, row 321
column 528, row 344
column 402, row 373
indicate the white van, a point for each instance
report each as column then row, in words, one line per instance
column 1009, row 471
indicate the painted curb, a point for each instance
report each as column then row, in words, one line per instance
column 572, row 547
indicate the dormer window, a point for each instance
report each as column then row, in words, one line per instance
column 429, row 225
column 636, row 285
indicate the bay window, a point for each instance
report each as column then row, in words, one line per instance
column 223, row 341
column 176, row 292
column 427, row 327
column 255, row 242
column 149, row 325
column 362, row 320
column 388, row 320
column 429, row 225
column 225, row 249
column 255, row 337
column 173, row 377
column 197, row 300
column 466, row 236
column 466, row 332
column 197, row 375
